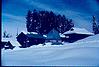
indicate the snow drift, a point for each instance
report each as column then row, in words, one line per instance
column 69, row 54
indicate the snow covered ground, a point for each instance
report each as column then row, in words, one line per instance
column 84, row 52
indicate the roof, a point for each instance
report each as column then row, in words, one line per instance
column 25, row 32
column 32, row 34
column 21, row 35
column 78, row 31
column 6, row 43
column 3, row 43
column 35, row 35
column 53, row 34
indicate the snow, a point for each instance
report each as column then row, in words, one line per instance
column 84, row 52
column 94, row 38
column 79, row 31
column 48, row 44
column 44, row 36
column 32, row 32
column 12, row 40
column 25, row 32
column 62, row 35
column 52, row 56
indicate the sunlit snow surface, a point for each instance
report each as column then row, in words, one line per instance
column 81, row 53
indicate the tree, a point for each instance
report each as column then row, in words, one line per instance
column 44, row 21
column 95, row 26
column 63, row 24
column 4, row 34
column 35, row 21
column 17, row 32
column 29, row 22
column 98, row 26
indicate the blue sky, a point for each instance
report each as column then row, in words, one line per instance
column 14, row 11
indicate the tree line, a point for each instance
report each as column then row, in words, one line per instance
column 44, row 21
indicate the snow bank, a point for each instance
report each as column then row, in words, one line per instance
column 84, row 52
column 69, row 54
column 94, row 38
column 52, row 56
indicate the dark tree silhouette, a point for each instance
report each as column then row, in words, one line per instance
column 29, row 23
column 4, row 34
column 95, row 26
column 44, row 21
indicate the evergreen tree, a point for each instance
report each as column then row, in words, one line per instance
column 95, row 26
column 43, row 22
column 98, row 26
column 4, row 34
column 17, row 32
column 35, row 21
column 29, row 23
column 64, row 24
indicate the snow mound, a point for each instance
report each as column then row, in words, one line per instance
column 94, row 38
column 52, row 56
column 69, row 54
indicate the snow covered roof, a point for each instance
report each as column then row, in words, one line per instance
column 32, row 33
column 35, row 35
column 78, row 31
column 25, row 32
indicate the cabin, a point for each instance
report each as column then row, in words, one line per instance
column 29, row 39
column 54, row 37
column 6, row 45
column 22, row 38
column 75, row 34
column 35, row 39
